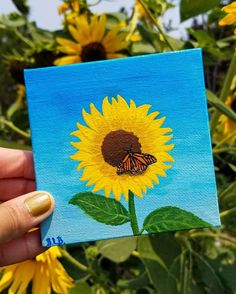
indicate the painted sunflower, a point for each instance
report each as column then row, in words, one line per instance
column 228, row 126
column 106, row 138
column 91, row 42
column 230, row 18
column 45, row 272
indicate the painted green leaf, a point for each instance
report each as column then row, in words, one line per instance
column 217, row 103
column 170, row 218
column 190, row 8
column 102, row 209
column 117, row 250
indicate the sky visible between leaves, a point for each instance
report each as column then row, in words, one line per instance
column 44, row 12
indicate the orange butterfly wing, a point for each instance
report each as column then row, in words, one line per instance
column 135, row 163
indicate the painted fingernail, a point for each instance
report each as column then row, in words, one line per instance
column 38, row 204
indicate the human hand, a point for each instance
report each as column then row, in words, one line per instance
column 19, row 214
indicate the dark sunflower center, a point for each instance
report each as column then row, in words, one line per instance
column 116, row 145
column 93, row 52
column 233, row 105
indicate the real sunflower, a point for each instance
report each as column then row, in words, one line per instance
column 228, row 126
column 91, row 42
column 108, row 135
column 230, row 18
column 140, row 10
column 62, row 8
column 45, row 272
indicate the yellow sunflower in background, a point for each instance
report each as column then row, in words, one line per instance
column 107, row 137
column 230, row 18
column 45, row 272
column 91, row 42
column 228, row 126
column 140, row 10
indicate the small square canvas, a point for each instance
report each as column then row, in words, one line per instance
column 123, row 146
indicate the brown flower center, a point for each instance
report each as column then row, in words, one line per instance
column 93, row 52
column 116, row 144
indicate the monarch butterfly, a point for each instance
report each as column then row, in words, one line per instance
column 135, row 163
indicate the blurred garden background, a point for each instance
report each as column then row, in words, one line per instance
column 50, row 33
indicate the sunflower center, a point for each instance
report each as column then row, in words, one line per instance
column 116, row 144
column 93, row 52
column 233, row 105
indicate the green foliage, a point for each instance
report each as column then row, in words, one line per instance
column 117, row 250
column 191, row 261
column 218, row 104
column 189, row 8
column 172, row 218
column 104, row 210
column 22, row 6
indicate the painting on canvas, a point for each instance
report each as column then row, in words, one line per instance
column 123, row 146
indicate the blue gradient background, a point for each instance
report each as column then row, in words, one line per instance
column 173, row 83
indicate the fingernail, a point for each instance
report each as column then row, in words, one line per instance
column 38, row 204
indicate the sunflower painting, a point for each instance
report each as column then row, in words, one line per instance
column 123, row 145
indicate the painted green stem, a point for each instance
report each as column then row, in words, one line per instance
column 133, row 217
column 156, row 23
column 224, row 92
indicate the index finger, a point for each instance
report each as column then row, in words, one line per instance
column 16, row 164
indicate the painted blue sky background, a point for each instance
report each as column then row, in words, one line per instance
column 173, row 84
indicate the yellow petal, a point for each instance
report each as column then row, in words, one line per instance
column 228, row 20
column 22, row 276
column 99, row 31
column 115, row 55
column 67, row 60
column 231, row 8
column 68, row 43
column 7, row 277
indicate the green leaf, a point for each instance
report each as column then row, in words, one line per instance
column 217, row 103
column 117, row 250
column 137, row 283
column 14, row 145
column 171, row 218
column 12, row 20
column 81, row 287
column 190, row 8
column 208, row 275
column 232, row 166
column 158, row 253
column 22, row 6
column 102, row 209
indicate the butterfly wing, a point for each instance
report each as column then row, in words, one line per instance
column 138, row 167
column 135, row 163
column 150, row 159
column 145, row 158
column 124, row 166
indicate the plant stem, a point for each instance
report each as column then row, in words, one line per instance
column 135, row 253
column 227, row 212
column 73, row 261
column 133, row 217
column 22, row 38
column 220, row 150
column 156, row 23
column 14, row 128
column 213, row 235
column 224, row 92
column 224, row 140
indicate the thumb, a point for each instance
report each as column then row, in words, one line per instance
column 20, row 214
